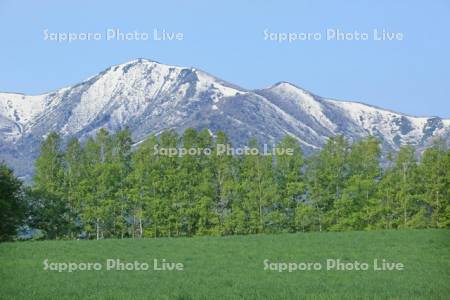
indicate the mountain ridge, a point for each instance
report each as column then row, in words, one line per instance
column 148, row 97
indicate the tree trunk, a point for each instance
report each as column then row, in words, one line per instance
column 97, row 227
column 140, row 228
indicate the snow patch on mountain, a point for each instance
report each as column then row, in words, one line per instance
column 304, row 100
column 394, row 127
column 20, row 108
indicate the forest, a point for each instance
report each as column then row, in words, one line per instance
column 109, row 187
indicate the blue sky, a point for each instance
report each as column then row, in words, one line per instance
column 227, row 40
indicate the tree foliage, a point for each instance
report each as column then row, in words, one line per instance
column 105, row 187
column 12, row 206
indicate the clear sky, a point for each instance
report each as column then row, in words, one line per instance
column 226, row 39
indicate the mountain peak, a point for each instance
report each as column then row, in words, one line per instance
column 284, row 85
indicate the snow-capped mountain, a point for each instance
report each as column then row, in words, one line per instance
column 148, row 97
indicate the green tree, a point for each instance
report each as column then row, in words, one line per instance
column 434, row 173
column 259, row 190
column 49, row 171
column 225, row 174
column 327, row 173
column 290, row 182
column 166, row 207
column 208, row 217
column 399, row 189
column 121, row 165
column 98, row 186
column 74, row 172
column 50, row 211
column 143, row 187
column 360, row 188
column 12, row 206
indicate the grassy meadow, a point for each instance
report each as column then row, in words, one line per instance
column 232, row 267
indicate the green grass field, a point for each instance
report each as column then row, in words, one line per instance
column 233, row 268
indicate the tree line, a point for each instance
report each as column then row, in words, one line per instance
column 105, row 187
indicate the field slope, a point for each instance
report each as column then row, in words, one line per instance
column 233, row 268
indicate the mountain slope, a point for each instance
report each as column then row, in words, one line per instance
column 149, row 97
column 354, row 120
